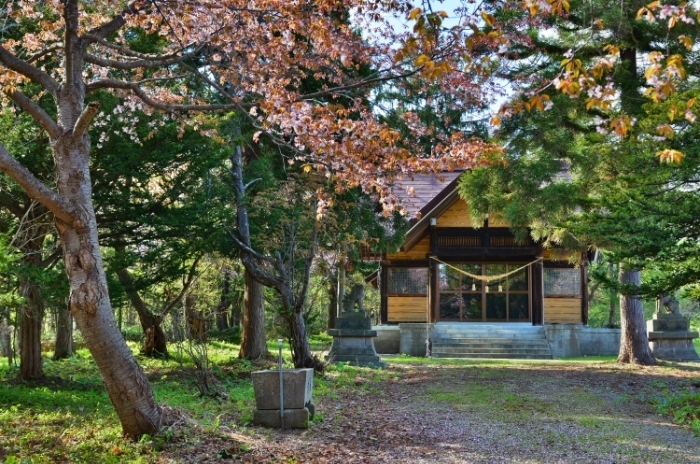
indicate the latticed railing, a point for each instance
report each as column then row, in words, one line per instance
column 459, row 242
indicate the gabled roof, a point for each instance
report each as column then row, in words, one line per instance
column 429, row 195
column 419, row 190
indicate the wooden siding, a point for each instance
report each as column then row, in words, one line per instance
column 419, row 251
column 562, row 310
column 406, row 308
column 456, row 216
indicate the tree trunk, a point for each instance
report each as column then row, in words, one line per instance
column 72, row 206
column 64, row 335
column 6, row 341
column 634, row 343
column 301, row 350
column 332, row 301
column 612, row 294
column 155, row 343
column 236, row 305
column 125, row 382
column 253, row 337
column 224, row 303
column 32, row 312
column 178, row 326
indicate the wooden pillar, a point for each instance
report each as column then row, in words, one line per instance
column 537, row 293
column 383, row 290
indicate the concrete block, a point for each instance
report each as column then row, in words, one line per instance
column 599, row 342
column 564, row 339
column 388, row 339
column 413, row 336
column 293, row 418
column 298, row 386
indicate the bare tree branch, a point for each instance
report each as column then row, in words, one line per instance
column 37, row 56
column 84, row 119
column 37, row 190
column 126, row 51
column 114, row 24
column 362, row 83
column 166, row 107
column 245, row 187
column 36, row 112
column 141, row 63
column 185, row 287
column 246, row 248
column 22, row 67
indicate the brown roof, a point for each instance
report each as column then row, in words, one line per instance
column 417, row 190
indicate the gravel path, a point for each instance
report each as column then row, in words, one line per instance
column 530, row 412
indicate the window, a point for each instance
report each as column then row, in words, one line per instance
column 562, row 282
column 464, row 296
column 408, row 280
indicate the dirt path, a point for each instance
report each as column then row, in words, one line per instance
column 534, row 412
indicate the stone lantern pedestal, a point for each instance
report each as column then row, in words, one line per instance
column 353, row 341
column 670, row 337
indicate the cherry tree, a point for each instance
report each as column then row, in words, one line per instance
column 252, row 58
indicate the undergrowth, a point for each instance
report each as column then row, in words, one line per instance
column 683, row 407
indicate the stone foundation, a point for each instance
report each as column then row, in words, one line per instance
column 353, row 341
column 388, row 339
column 670, row 338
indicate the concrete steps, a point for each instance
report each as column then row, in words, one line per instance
column 490, row 341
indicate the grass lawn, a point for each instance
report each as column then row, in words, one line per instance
column 416, row 410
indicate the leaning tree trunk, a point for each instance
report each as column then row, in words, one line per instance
column 253, row 338
column 634, row 343
column 125, row 382
column 155, row 343
column 32, row 312
column 64, row 335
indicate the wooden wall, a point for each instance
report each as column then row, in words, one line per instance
column 419, row 251
column 456, row 216
column 562, row 310
column 406, row 309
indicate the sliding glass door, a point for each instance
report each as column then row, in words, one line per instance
column 465, row 295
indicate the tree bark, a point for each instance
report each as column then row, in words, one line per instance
column 30, row 364
column 224, row 303
column 125, row 382
column 253, row 338
column 332, row 300
column 155, row 343
column 236, row 305
column 634, row 343
column 6, row 341
column 64, row 335
column 299, row 340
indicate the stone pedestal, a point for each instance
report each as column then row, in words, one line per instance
column 298, row 405
column 353, row 341
column 670, row 337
